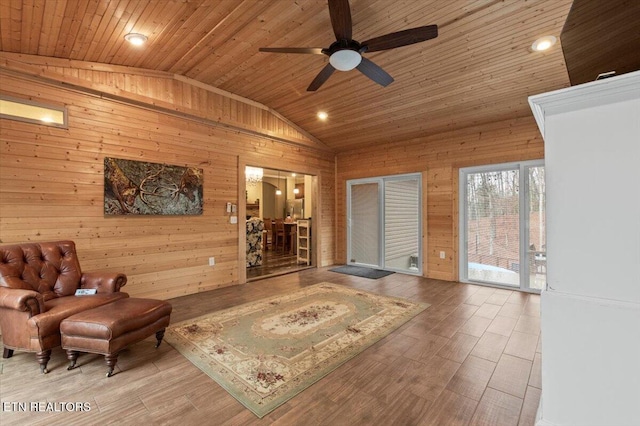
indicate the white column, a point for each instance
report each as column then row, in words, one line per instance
column 590, row 309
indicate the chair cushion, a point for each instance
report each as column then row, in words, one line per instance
column 116, row 319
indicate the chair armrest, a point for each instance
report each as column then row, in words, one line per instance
column 104, row 282
column 22, row 300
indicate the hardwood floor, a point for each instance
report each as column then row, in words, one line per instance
column 473, row 357
column 275, row 263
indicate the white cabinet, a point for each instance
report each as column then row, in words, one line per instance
column 590, row 308
column 304, row 241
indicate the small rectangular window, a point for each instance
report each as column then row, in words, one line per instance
column 33, row 112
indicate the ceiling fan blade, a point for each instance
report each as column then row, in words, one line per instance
column 401, row 38
column 374, row 72
column 311, row 50
column 340, row 19
column 321, row 78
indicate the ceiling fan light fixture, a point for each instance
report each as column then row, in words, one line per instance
column 345, row 53
column 345, row 60
column 543, row 43
column 136, row 39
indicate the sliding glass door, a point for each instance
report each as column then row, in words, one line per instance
column 384, row 223
column 536, row 227
column 502, row 225
column 364, row 223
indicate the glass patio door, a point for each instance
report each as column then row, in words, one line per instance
column 502, row 225
column 536, row 227
column 364, row 224
column 384, row 223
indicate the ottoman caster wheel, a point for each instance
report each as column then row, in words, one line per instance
column 112, row 360
column 72, row 356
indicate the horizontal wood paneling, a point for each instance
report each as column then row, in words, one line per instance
column 52, row 180
column 439, row 158
column 173, row 92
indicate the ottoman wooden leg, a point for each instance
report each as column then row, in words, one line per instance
column 72, row 356
column 159, row 336
column 111, row 361
column 43, row 358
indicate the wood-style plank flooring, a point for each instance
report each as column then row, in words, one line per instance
column 471, row 358
column 275, row 263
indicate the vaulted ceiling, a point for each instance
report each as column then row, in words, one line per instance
column 479, row 69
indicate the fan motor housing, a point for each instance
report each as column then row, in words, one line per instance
column 344, row 45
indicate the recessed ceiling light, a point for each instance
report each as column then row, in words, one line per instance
column 136, row 39
column 323, row 115
column 543, row 43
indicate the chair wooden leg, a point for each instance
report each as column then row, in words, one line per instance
column 159, row 336
column 7, row 353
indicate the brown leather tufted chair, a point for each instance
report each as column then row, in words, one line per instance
column 38, row 282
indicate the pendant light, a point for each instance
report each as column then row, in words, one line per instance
column 278, row 191
column 296, row 190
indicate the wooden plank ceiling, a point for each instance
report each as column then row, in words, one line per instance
column 480, row 69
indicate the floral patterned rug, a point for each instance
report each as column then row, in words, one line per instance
column 265, row 352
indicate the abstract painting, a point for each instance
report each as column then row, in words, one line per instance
column 142, row 188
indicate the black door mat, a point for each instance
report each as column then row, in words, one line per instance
column 361, row 271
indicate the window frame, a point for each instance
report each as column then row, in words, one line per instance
column 37, row 103
column 523, row 226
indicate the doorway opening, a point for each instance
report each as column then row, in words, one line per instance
column 282, row 203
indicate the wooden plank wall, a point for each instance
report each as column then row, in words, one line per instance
column 51, row 180
column 439, row 158
column 165, row 90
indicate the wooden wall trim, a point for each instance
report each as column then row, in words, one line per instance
column 49, row 61
column 241, row 212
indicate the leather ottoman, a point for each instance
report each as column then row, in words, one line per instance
column 108, row 329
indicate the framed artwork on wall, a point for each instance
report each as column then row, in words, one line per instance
column 143, row 188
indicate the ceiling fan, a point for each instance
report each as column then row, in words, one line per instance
column 345, row 53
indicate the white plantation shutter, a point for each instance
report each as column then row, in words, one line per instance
column 364, row 224
column 384, row 222
column 401, row 222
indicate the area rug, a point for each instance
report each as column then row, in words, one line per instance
column 265, row 352
column 361, row 271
